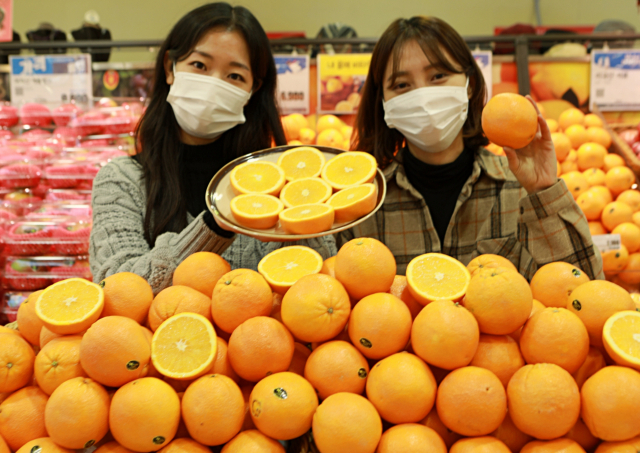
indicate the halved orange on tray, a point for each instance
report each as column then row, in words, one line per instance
column 354, row 202
column 255, row 210
column 257, row 177
column 221, row 191
column 285, row 266
column 305, row 191
column 434, row 276
column 70, row 306
column 621, row 337
column 302, row 162
column 307, row 218
column 350, row 169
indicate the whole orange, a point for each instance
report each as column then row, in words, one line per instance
column 445, row 334
column 577, row 135
column 570, row 117
column 488, row 261
column 282, row 405
column 316, row 308
column 115, row 351
column 614, row 261
column 632, row 198
column 336, row 366
column 629, row 236
column 610, row 400
column 599, row 135
column 500, row 299
column 484, row 444
column 46, row 336
column 346, row 422
column 631, row 272
column 581, row 434
column 625, row 446
column 402, row 388
column 126, row 294
column 591, row 204
column 43, row 445
column 58, row 362
column 544, row 400
column 499, row 354
column 555, row 335
column 112, row 447
column 183, row 445
column 592, row 364
column 22, row 417
column 576, row 182
column 144, row 414
column 619, row 179
column 471, row 401
column 591, row 155
column 510, row 435
column 328, row 267
column 222, row 364
column 201, row 271
column 213, row 409
column 400, row 289
column 77, row 413
column 595, row 176
column 16, row 362
column 432, row 420
column 29, row 324
column 239, row 295
column 252, row 441
column 551, row 446
column 365, row 266
column 509, row 120
column 177, row 299
column 259, row 347
column 380, row 325
column 301, row 354
column 612, row 160
column 594, row 302
column 562, row 145
column 411, row 438
column 553, row 282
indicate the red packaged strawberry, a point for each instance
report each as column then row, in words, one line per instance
column 65, row 113
column 8, row 116
column 21, row 201
column 29, row 237
column 64, row 174
column 120, row 125
column 72, row 237
column 6, row 134
column 96, row 143
column 39, row 152
column 20, row 175
column 79, row 268
column 68, row 194
column 89, row 124
column 35, row 115
column 27, row 274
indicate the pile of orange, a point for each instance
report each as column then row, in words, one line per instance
column 303, row 191
column 342, row 353
column 328, row 130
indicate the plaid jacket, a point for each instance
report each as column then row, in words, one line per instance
column 493, row 214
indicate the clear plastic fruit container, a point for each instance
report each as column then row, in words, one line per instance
column 68, row 194
column 69, row 173
column 88, row 124
column 10, row 303
column 40, row 152
column 8, row 116
column 31, row 273
column 20, row 173
column 65, row 113
column 116, row 125
column 20, row 202
column 35, row 115
column 63, row 208
column 36, row 134
column 46, row 235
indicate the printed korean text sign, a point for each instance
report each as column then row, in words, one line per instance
column 484, row 59
column 293, row 83
column 51, row 79
column 615, row 80
column 340, row 81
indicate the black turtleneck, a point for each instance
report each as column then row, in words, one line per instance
column 439, row 185
column 198, row 165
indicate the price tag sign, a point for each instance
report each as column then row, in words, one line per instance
column 484, row 59
column 51, row 79
column 615, row 80
column 606, row 242
column 340, row 81
column 293, row 83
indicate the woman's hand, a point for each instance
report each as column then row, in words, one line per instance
column 535, row 166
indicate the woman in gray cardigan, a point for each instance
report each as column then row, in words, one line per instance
column 213, row 100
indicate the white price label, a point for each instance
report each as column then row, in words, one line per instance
column 51, row 79
column 293, row 83
column 484, row 59
column 615, row 80
column 607, row 242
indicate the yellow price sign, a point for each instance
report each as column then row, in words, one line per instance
column 341, row 78
column 344, row 64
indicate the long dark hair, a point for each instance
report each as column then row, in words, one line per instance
column 433, row 35
column 158, row 134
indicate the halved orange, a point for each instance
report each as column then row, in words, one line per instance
column 434, row 276
column 305, row 191
column 307, row 218
column 258, row 176
column 285, row 266
column 184, row 346
column 302, row 162
column 254, row 210
column 621, row 336
column 350, row 169
column 354, row 202
column 70, row 306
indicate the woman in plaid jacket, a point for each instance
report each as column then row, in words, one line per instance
column 420, row 116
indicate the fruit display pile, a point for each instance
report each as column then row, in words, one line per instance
column 328, row 130
column 313, row 192
column 340, row 355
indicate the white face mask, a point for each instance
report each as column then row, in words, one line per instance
column 430, row 117
column 206, row 106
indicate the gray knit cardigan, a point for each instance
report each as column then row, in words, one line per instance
column 117, row 241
